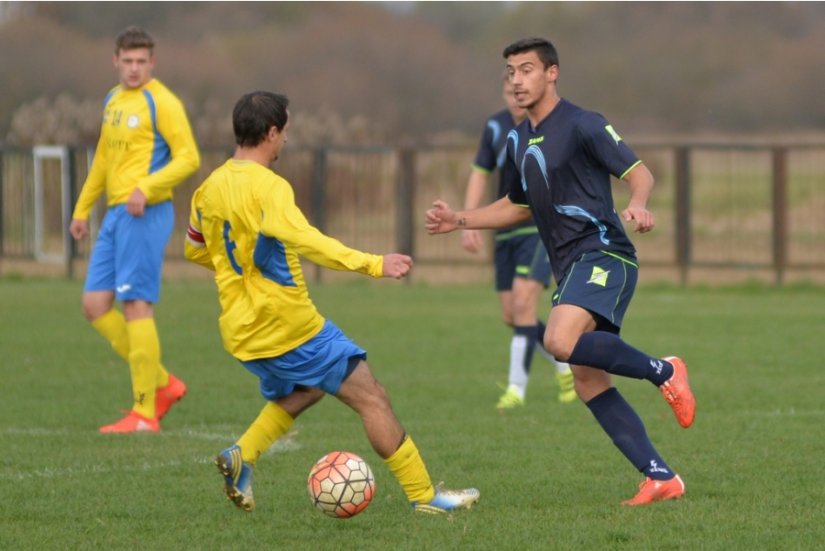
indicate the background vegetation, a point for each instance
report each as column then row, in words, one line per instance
column 389, row 72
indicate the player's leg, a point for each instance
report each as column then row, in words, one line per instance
column 98, row 290
column 627, row 431
column 568, row 324
column 275, row 419
column 363, row 393
column 604, row 284
column 111, row 324
column 98, row 301
column 520, row 340
column 139, row 245
column 540, row 273
column 616, row 417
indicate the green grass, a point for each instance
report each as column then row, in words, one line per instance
column 549, row 477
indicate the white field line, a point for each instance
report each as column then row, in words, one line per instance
column 286, row 444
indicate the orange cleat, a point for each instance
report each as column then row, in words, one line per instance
column 167, row 396
column 657, row 490
column 678, row 394
column 133, row 422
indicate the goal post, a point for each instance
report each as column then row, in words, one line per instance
column 53, row 204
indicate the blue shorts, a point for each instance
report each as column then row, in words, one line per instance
column 602, row 283
column 324, row 362
column 520, row 255
column 128, row 255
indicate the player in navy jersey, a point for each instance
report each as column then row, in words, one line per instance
column 559, row 162
column 522, row 267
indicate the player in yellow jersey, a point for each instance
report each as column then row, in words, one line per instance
column 245, row 226
column 146, row 148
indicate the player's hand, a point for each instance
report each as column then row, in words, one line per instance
column 79, row 228
column 397, row 265
column 471, row 241
column 136, row 203
column 643, row 218
column 440, row 218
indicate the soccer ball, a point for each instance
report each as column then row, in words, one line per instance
column 341, row 484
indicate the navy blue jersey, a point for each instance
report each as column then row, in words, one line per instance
column 562, row 169
column 492, row 151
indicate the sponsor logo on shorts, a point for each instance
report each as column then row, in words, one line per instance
column 599, row 276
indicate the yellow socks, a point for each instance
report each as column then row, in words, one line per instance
column 112, row 325
column 408, row 467
column 144, row 363
column 271, row 424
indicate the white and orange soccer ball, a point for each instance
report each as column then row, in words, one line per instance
column 341, row 484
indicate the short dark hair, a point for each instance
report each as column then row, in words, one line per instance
column 257, row 112
column 132, row 38
column 543, row 48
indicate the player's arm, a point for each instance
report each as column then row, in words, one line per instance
column 194, row 246
column 173, row 125
column 91, row 191
column 500, row 214
column 284, row 221
column 476, row 191
column 607, row 147
column 640, row 181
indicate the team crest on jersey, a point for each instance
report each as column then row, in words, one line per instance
column 599, row 276
column 132, row 121
column 613, row 133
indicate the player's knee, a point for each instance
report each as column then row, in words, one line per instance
column 93, row 309
column 558, row 345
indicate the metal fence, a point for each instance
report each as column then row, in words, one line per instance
column 718, row 206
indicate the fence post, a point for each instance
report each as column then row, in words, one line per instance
column 779, row 162
column 683, row 209
column 68, row 241
column 318, row 199
column 404, row 201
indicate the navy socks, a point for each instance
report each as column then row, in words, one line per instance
column 627, row 431
column 610, row 353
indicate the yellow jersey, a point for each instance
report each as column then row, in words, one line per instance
column 145, row 142
column 245, row 225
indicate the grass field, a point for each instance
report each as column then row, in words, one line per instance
column 550, row 479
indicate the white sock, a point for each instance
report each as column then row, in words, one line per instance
column 518, row 376
column 561, row 367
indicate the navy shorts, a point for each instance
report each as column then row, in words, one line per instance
column 520, row 255
column 602, row 283
column 324, row 362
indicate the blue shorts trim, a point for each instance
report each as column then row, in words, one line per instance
column 128, row 254
column 322, row 362
column 603, row 283
column 522, row 255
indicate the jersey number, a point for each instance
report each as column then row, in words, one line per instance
column 230, row 248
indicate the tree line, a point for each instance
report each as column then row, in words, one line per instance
column 421, row 72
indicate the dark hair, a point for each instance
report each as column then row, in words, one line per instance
column 543, row 48
column 132, row 38
column 257, row 112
